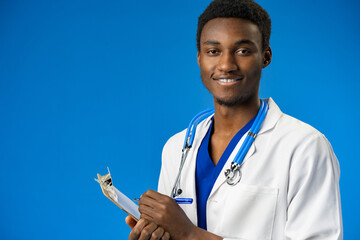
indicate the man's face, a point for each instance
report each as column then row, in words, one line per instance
column 231, row 60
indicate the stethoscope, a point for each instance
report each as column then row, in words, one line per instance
column 233, row 174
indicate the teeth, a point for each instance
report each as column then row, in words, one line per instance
column 227, row 80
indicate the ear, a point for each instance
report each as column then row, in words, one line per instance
column 267, row 56
column 198, row 58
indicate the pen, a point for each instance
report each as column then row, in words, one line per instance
column 178, row 200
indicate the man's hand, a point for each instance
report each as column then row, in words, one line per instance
column 145, row 229
column 166, row 213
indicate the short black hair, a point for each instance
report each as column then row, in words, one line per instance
column 246, row 9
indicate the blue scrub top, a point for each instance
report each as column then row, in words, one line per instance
column 207, row 172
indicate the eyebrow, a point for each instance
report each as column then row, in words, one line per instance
column 244, row 41
column 211, row 42
column 239, row 42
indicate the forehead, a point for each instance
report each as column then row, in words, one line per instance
column 230, row 30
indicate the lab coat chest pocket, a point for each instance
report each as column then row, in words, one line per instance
column 243, row 211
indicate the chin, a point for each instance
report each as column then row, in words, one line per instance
column 232, row 102
column 241, row 99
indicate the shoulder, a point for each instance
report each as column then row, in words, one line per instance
column 288, row 129
column 306, row 148
column 174, row 144
column 296, row 139
column 307, row 137
column 295, row 131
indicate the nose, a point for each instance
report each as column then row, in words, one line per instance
column 227, row 63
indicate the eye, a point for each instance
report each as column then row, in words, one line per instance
column 243, row 51
column 212, row 52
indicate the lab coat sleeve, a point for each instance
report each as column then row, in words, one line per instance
column 313, row 197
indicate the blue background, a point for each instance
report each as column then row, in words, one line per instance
column 90, row 84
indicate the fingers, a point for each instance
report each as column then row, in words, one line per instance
column 136, row 231
column 157, row 234
column 149, row 201
column 145, row 230
column 130, row 222
column 153, row 202
column 166, row 236
column 147, row 217
column 147, row 212
column 153, row 194
column 150, row 208
column 148, row 231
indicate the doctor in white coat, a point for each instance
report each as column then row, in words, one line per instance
column 289, row 187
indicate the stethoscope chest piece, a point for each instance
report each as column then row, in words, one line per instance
column 233, row 175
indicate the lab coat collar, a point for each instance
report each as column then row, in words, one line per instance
column 272, row 116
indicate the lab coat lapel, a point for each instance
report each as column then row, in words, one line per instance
column 189, row 186
column 222, row 178
column 270, row 121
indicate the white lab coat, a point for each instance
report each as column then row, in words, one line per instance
column 289, row 187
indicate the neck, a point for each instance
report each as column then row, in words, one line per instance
column 229, row 120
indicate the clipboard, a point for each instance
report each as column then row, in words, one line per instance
column 117, row 197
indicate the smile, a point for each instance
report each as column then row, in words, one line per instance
column 227, row 80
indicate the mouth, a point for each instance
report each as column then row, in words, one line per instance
column 226, row 81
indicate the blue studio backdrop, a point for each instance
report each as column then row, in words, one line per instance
column 90, row 84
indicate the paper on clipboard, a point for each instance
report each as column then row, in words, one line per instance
column 120, row 199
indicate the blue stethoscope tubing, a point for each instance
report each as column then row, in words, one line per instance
column 189, row 139
column 250, row 137
column 190, row 132
column 233, row 174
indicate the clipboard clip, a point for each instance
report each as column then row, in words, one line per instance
column 107, row 185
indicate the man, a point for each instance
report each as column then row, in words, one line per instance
column 289, row 187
